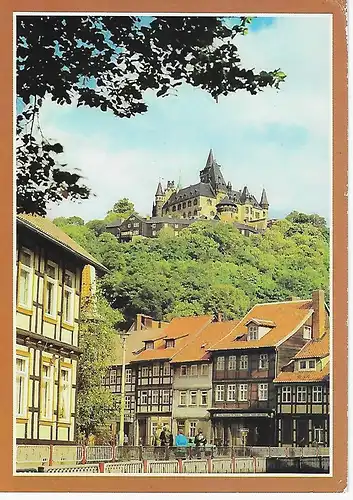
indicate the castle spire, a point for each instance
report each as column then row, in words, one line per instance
column 210, row 159
column 245, row 195
column 159, row 191
column 264, row 202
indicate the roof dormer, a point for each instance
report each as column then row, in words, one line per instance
column 169, row 343
column 149, row 344
column 257, row 328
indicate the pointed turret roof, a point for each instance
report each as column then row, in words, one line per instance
column 264, row 202
column 245, row 195
column 210, row 159
column 159, row 191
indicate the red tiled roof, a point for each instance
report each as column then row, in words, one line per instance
column 197, row 349
column 315, row 348
column 303, row 376
column 287, row 317
column 183, row 330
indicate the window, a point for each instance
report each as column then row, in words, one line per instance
column 189, row 203
column 286, row 394
column 212, row 213
column 232, row 363
column 183, row 371
column 174, row 208
column 154, row 226
column 128, row 375
column 193, row 398
column 184, row 205
column 169, row 343
column 192, row 429
column 69, row 298
column 155, row 370
column 243, row 392
column 127, row 402
column 184, row 215
column 65, row 394
column 257, row 214
column 307, row 332
column 312, row 364
column 166, row 397
column 189, row 214
column 317, row 394
column 301, row 394
column 112, row 378
column 182, row 400
column 264, row 214
column 318, row 435
column 176, row 226
column 231, row 392
column 246, row 210
column 149, row 345
column 144, row 371
column 195, row 212
column 263, row 392
column 244, row 362
column 193, row 371
column 129, row 225
column 166, row 369
column 155, row 397
column 307, row 364
column 51, row 287
column 25, row 286
column 219, row 392
column 263, row 362
column 144, row 398
column 204, row 398
column 220, row 363
column 209, row 202
column 252, row 332
column 136, row 224
column 179, row 206
column 21, row 386
column 204, row 369
column 154, row 233
column 195, row 201
column 136, row 232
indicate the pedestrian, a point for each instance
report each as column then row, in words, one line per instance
column 163, row 436
column 200, row 440
column 181, row 440
column 126, row 440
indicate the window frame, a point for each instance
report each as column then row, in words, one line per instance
column 243, row 392
column 155, row 370
column 191, row 395
column 26, row 380
column 113, row 377
column 71, row 290
column 317, row 390
column 128, row 375
column 166, row 372
column 127, row 402
column 220, row 363
column 182, row 394
column 205, row 370
column 263, row 361
column 182, row 367
column 253, row 332
column 244, row 362
column 262, row 391
column 204, row 393
column 142, row 394
column 286, row 391
column 166, row 393
column 143, row 371
column 232, row 360
column 193, row 371
column 155, row 392
column 302, row 391
column 28, row 306
column 192, row 428
column 219, row 390
column 67, row 369
column 319, row 431
column 307, row 332
column 232, row 388
column 55, row 282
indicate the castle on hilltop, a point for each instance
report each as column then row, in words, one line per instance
column 211, row 198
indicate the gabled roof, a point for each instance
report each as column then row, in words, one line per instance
column 183, row 330
column 319, row 348
column 135, row 342
column 304, row 376
column 199, row 189
column 261, row 322
column 115, row 223
column 197, row 349
column 287, row 316
column 48, row 230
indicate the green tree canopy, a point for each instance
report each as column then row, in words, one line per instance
column 108, row 63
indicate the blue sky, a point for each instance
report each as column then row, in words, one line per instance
column 277, row 140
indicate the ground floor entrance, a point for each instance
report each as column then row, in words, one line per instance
column 148, row 425
column 243, row 430
column 305, row 430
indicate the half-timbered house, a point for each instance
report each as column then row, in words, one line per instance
column 303, row 399
column 192, row 381
column 154, row 374
column 246, row 362
column 49, row 267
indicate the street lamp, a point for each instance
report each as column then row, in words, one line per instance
column 124, row 336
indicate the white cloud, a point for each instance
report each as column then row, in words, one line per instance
column 176, row 132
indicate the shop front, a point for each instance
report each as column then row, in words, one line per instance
column 147, row 427
column 243, row 428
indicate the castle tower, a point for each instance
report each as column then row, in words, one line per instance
column 227, row 210
column 212, row 175
column 264, row 202
column 159, row 200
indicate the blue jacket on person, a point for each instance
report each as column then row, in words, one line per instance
column 181, row 440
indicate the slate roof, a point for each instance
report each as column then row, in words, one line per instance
column 47, row 229
column 115, row 223
column 199, row 189
column 287, row 316
column 304, row 376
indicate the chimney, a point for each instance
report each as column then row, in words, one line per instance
column 138, row 321
column 319, row 316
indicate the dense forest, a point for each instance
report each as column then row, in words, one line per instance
column 208, row 268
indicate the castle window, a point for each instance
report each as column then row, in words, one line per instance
column 184, row 215
column 195, row 201
column 189, row 203
column 65, row 394
column 127, row 402
column 195, row 212
column 179, row 206
column 257, row 215
column 184, row 204
column 166, row 368
column 189, row 214
column 212, row 213
column 143, row 398
column 307, row 364
column 246, row 210
column 219, row 392
column 174, row 208
column 264, row 213
column 231, row 392
column 176, row 226
column 155, row 370
column 209, row 202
